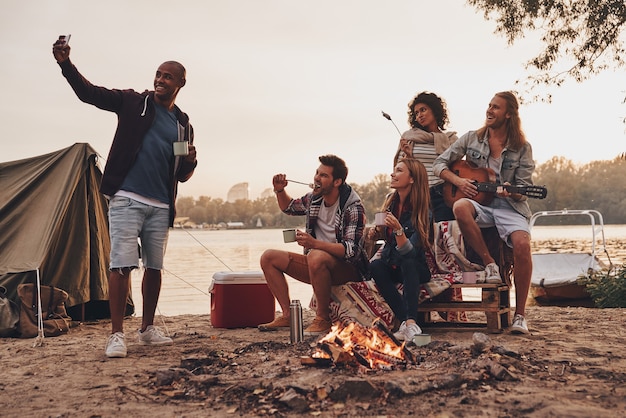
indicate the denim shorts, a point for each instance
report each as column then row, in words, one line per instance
column 131, row 222
column 501, row 215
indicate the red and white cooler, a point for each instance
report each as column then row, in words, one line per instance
column 240, row 299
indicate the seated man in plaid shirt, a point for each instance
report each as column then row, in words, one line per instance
column 333, row 242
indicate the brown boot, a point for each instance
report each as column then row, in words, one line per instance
column 280, row 322
column 318, row 326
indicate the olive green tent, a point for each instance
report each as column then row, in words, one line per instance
column 53, row 220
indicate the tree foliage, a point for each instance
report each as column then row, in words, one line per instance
column 373, row 194
column 580, row 37
column 597, row 185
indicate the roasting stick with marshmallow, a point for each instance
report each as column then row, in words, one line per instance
column 311, row 185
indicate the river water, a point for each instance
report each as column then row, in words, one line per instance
column 194, row 256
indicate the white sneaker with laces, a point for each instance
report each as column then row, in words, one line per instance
column 153, row 336
column 411, row 331
column 116, row 345
column 492, row 273
column 399, row 334
column 519, row 325
column 406, row 332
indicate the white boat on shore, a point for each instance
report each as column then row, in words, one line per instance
column 555, row 274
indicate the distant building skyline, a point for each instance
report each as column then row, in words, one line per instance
column 240, row 191
column 269, row 192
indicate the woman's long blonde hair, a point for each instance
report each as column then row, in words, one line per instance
column 418, row 198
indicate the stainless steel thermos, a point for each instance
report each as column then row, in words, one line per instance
column 296, row 331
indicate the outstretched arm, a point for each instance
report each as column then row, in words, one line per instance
column 101, row 97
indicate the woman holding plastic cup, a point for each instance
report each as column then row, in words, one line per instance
column 405, row 231
column 428, row 117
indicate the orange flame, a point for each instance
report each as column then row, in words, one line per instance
column 371, row 344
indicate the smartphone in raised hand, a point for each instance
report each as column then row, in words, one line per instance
column 65, row 39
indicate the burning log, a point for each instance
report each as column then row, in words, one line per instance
column 336, row 352
column 354, row 345
column 381, row 325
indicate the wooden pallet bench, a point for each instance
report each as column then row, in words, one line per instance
column 494, row 298
column 495, row 303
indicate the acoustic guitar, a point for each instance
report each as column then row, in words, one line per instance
column 485, row 180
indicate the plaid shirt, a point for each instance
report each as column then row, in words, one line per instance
column 349, row 223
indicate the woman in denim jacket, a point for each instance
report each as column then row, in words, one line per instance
column 403, row 258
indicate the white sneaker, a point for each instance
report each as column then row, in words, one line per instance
column 399, row 334
column 153, row 336
column 411, row 331
column 519, row 325
column 116, row 345
column 492, row 273
column 407, row 332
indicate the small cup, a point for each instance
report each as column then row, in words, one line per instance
column 421, row 339
column 289, row 235
column 379, row 218
column 469, row 277
column 472, row 277
column 181, row 148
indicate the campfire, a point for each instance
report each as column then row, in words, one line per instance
column 353, row 345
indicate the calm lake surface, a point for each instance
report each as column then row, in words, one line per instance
column 194, row 256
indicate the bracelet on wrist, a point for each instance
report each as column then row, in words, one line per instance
column 279, row 191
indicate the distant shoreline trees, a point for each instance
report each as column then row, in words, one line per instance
column 598, row 185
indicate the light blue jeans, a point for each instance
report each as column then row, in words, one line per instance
column 131, row 222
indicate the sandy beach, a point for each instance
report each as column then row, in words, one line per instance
column 572, row 365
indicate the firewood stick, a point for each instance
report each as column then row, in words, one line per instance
column 378, row 323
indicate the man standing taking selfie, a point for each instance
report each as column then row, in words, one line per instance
column 140, row 178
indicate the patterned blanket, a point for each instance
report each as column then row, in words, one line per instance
column 361, row 302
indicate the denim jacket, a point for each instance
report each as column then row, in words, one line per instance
column 516, row 167
column 411, row 250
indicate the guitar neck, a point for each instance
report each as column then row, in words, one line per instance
column 493, row 187
column 537, row 192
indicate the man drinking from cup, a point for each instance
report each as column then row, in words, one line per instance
column 333, row 243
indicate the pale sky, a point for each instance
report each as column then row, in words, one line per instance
column 271, row 84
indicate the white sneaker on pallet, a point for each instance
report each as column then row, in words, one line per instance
column 492, row 273
column 153, row 336
column 116, row 345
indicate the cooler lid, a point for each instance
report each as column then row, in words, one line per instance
column 239, row 277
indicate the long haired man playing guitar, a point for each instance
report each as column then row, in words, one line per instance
column 499, row 145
